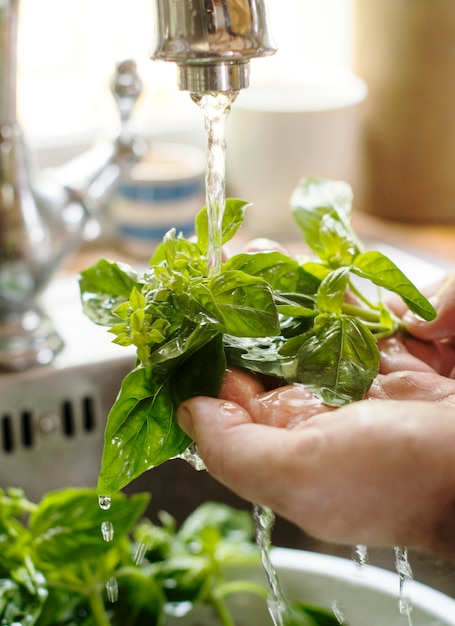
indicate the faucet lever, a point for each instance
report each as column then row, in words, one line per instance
column 126, row 87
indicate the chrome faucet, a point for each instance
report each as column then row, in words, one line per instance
column 211, row 41
column 43, row 219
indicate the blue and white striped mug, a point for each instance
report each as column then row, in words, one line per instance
column 165, row 190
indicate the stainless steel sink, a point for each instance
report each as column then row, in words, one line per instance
column 52, row 417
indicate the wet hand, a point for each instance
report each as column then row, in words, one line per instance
column 374, row 472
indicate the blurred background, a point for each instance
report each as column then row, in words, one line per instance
column 67, row 51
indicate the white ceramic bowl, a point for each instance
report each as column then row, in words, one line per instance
column 368, row 595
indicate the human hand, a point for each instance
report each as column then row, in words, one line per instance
column 372, row 472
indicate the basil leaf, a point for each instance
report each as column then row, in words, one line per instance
column 338, row 358
column 322, row 210
column 246, row 304
column 182, row 255
column 295, row 305
column 202, row 373
column 262, row 357
column 142, row 598
column 105, row 286
column 317, row 615
column 229, row 523
column 142, row 430
column 233, row 217
column 22, row 599
column 378, row 268
column 188, row 339
column 332, row 290
column 66, row 526
column 281, row 271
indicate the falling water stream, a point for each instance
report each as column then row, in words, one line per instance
column 216, row 108
column 404, row 571
column 279, row 609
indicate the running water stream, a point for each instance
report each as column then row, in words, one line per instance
column 404, row 571
column 216, row 108
column 279, row 608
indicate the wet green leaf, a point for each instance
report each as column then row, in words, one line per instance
column 378, row 268
column 338, row 359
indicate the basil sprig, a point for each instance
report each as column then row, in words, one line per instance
column 55, row 563
column 265, row 311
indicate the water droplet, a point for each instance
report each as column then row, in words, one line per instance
column 139, row 552
column 112, row 589
column 107, row 530
column 105, row 502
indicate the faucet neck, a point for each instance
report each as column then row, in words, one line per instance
column 9, row 10
column 206, row 77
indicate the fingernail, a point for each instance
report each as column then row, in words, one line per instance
column 185, row 421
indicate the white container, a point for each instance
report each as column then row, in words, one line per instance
column 279, row 133
column 366, row 595
column 165, row 190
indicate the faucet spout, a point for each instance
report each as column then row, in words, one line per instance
column 211, row 41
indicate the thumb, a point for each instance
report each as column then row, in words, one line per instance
column 237, row 452
column 202, row 418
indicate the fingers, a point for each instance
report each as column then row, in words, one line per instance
column 248, row 458
column 284, row 407
column 395, row 356
column 443, row 326
column 240, row 386
column 411, row 385
column 372, row 472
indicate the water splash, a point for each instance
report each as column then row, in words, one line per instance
column 405, row 573
column 178, row 609
column 191, row 456
column 216, row 108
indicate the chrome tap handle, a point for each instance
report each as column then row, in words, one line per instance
column 126, row 87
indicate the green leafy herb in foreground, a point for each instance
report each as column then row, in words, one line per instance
column 298, row 321
column 55, row 565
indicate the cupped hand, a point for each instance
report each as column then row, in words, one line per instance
column 374, row 472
